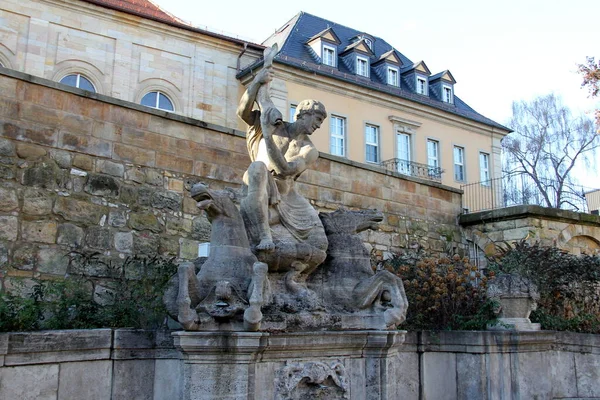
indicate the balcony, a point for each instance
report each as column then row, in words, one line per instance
column 411, row 168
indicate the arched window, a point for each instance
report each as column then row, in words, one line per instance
column 79, row 81
column 158, row 100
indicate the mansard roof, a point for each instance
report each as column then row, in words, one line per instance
column 445, row 75
column 295, row 52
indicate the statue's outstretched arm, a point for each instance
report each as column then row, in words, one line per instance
column 295, row 165
column 244, row 110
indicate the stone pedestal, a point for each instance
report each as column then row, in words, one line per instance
column 301, row 365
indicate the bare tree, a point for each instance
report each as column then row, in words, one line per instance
column 545, row 147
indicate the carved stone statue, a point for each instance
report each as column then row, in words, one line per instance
column 230, row 282
column 347, row 282
column 284, row 229
column 261, row 272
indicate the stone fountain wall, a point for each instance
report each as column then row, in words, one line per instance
column 86, row 172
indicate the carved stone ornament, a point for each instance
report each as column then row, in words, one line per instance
column 516, row 297
column 312, row 380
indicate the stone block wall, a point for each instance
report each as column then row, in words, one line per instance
column 125, row 364
column 574, row 232
column 91, row 173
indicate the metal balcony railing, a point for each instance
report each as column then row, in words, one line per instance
column 520, row 189
column 415, row 169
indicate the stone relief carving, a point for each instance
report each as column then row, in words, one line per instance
column 312, row 380
column 264, row 269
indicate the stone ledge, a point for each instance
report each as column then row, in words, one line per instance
column 484, row 342
column 524, row 211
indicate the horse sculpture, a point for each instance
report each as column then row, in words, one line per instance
column 231, row 280
column 347, row 282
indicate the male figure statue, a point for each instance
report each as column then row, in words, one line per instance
column 284, row 229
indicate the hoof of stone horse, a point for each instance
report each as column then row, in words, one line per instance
column 252, row 318
column 393, row 317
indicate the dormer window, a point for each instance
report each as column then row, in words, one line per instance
column 447, row 94
column 392, row 76
column 329, row 57
column 421, row 85
column 369, row 43
column 362, row 66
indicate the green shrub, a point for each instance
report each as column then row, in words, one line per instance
column 569, row 285
column 131, row 297
column 443, row 294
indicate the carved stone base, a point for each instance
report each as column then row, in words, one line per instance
column 301, row 365
column 514, row 324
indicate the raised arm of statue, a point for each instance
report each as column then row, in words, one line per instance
column 250, row 96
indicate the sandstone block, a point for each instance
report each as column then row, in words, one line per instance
column 8, row 199
column 62, row 158
column 24, row 257
column 102, row 185
column 145, row 243
column 45, row 174
column 129, row 195
column 174, row 163
column 169, row 246
column 70, row 235
column 52, row 261
column 135, row 174
column 7, row 172
column 135, row 155
column 84, row 162
column 188, row 249
column 30, row 151
column 110, row 168
column 117, row 218
column 37, row 202
column 144, row 221
column 39, row 231
column 175, row 185
column 85, row 144
column 32, row 382
column 153, row 177
column 7, row 148
column 123, row 242
column 190, row 206
column 167, row 200
column 78, row 210
column 98, row 238
column 85, row 380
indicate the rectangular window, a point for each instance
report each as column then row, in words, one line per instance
column 372, row 143
column 392, row 76
column 403, row 153
column 447, row 94
column 484, row 168
column 459, row 163
column 362, row 66
column 328, row 55
column 421, row 85
column 337, row 136
column 292, row 112
column 433, row 153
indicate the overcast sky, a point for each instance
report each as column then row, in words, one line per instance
column 498, row 51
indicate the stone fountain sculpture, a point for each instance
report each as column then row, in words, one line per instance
column 260, row 274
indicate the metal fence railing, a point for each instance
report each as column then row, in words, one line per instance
column 413, row 169
column 522, row 189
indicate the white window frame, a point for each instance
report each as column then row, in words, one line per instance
column 375, row 143
column 325, row 60
column 420, row 90
column 459, row 161
column 433, row 160
column 362, row 61
column 484, row 168
column 404, row 163
column 447, row 90
column 393, row 72
column 292, row 112
column 337, row 132
column 78, row 80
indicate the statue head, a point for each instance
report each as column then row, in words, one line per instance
column 310, row 107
